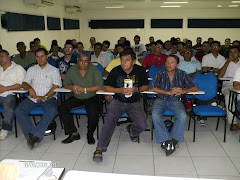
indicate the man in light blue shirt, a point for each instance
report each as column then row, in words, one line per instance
column 191, row 67
column 105, row 46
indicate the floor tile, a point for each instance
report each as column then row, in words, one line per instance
column 236, row 162
column 215, row 166
column 85, row 163
column 205, row 149
column 221, row 177
column 3, row 154
column 232, row 149
column 134, row 164
column 142, row 148
column 25, row 155
column 201, row 136
column 174, row 165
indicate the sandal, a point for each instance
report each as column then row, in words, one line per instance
column 133, row 138
column 97, row 156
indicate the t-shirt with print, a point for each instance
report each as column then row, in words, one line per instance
column 138, row 49
column 116, row 79
column 63, row 65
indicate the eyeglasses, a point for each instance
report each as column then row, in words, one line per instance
column 83, row 62
column 215, row 46
column 187, row 52
column 68, row 48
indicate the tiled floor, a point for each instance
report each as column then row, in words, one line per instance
column 208, row 157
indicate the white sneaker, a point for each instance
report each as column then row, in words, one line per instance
column 3, row 134
column 201, row 122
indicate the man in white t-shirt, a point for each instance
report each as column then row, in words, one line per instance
column 227, row 69
column 55, row 53
column 99, row 56
column 11, row 77
column 213, row 60
column 139, row 49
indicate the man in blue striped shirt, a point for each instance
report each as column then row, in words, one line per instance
column 170, row 83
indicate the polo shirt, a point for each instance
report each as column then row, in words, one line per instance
column 26, row 61
column 189, row 67
column 152, row 58
column 103, row 59
column 91, row 78
column 210, row 61
column 14, row 74
column 116, row 62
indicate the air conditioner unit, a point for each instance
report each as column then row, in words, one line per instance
column 72, row 9
column 39, row 2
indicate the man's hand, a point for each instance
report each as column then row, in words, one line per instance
column 126, row 91
column 78, row 89
column 178, row 91
column 32, row 93
column 2, row 88
column 63, row 76
column 41, row 98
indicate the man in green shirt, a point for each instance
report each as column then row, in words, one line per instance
column 24, row 58
column 84, row 79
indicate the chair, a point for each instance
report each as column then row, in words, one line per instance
column 15, row 121
column 207, row 83
column 99, row 66
column 38, row 111
column 232, row 105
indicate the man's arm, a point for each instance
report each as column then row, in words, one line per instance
column 29, row 88
column 105, row 73
column 222, row 71
column 236, row 85
column 161, row 91
column 7, row 88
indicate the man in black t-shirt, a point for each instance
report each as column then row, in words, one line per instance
column 126, row 81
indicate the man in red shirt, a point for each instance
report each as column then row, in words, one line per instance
column 205, row 50
column 156, row 57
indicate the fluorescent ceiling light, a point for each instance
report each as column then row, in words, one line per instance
column 235, row 1
column 232, row 5
column 111, row 7
column 219, row 5
column 170, row 6
column 175, row 2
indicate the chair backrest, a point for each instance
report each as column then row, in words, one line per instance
column 99, row 66
column 154, row 68
column 208, row 83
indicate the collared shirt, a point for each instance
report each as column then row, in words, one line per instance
column 64, row 65
column 26, row 61
column 116, row 62
column 14, row 74
column 189, row 67
column 110, row 54
column 210, row 61
column 103, row 59
column 42, row 80
column 161, row 80
column 91, row 78
column 230, row 70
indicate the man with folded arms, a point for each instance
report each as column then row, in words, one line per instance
column 41, row 80
column 125, row 100
column 170, row 83
column 84, row 79
column 11, row 77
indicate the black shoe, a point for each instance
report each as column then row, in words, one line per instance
column 164, row 145
column 171, row 146
column 30, row 140
column 36, row 141
column 91, row 140
column 71, row 138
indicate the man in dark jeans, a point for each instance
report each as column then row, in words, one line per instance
column 84, row 79
column 126, row 99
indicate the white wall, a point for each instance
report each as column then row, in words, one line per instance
column 10, row 39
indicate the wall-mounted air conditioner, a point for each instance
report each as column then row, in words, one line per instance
column 72, row 9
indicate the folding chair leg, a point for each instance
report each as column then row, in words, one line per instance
column 15, row 123
column 35, row 122
column 77, row 120
column 194, row 129
column 225, row 127
column 152, row 126
column 189, row 122
column 232, row 122
column 217, row 123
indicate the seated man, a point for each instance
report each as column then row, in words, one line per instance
column 41, row 80
column 11, row 77
column 65, row 62
column 84, row 79
column 227, row 69
column 170, row 83
column 24, row 58
column 213, row 60
column 190, row 66
column 125, row 100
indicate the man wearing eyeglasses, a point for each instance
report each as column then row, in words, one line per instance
column 190, row 66
column 156, row 57
column 213, row 60
column 84, row 79
column 65, row 62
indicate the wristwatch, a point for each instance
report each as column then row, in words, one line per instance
column 85, row 90
column 46, row 96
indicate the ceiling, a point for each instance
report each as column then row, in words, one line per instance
column 152, row 4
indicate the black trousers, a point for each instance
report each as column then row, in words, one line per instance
column 92, row 109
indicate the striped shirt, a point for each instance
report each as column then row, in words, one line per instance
column 42, row 80
column 161, row 80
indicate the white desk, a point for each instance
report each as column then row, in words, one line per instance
column 225, row 78
column 71, row 175
column 62, row 90
column 234, row 90
column 18, row 91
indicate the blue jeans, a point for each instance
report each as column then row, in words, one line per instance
column 180, row 118
column 22, row 113
column 9, row 105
